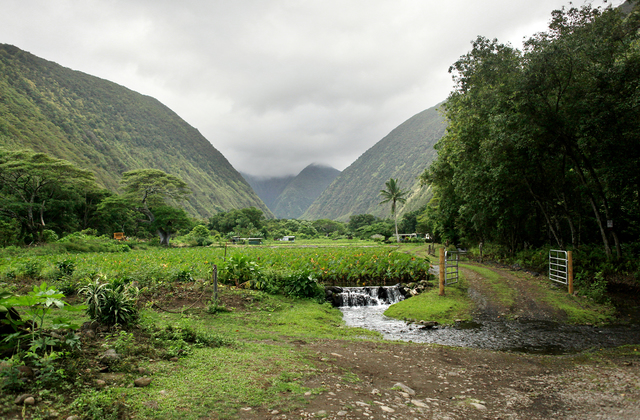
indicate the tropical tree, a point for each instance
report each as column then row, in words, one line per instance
column 393, row 194
column 32, row 183
column 117, row 214
column 150, row 190
column 541, row 145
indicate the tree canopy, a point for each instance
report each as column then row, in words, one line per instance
column 152, row 190
column 542, row 144
column 393, row 194
column 35, row 188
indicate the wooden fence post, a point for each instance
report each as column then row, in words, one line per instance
column 215, row 283
column 442, row 271
column 570, row 271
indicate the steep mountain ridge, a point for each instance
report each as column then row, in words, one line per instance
column 268, row 188
column 303, row 190
column 289, row 196
column 110, row 129
column 403, row 154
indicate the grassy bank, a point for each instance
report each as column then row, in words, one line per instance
column 256, row 363
column 429, row 306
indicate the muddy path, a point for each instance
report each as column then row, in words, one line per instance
column 527, row 303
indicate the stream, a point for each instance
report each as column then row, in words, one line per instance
column 541, row 337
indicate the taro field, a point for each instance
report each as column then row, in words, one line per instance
column 379, row 265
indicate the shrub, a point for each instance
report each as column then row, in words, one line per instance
column 106, row 404
column 112, row 303
column 49, row 236
column 302, row 285
column 31, row 269
column 239, row 269
column 595, row 288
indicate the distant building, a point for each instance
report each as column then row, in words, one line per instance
column 407, row 236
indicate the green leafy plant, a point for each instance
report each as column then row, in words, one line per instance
column 215, row 307
column 303, row 285
column 101, row 405
column 111, row 303
column 37, row 305
column 31, row 269
column 239, row 269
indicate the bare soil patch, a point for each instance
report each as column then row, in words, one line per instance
column 359, row 381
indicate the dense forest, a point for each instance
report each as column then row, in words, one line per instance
column 542, row 143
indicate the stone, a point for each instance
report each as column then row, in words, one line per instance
column 142, row 382
column 478, row 406
column 25, row 372
column 341, row 413
column 90, row 326
column 73, row 418
column 419, row 403
column 404, row 388
column 387, row 409
column 109, row 356
column 321, row 413
column 29, row 401
column 20, row 398
column 100, row 383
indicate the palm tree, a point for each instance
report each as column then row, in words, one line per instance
column 393, row 194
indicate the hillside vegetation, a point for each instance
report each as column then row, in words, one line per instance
column 289, row 196
column 268, row 188
column 303, row 190
column 402, row 154
column 109, row 129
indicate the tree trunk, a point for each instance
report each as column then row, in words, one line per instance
column 395, row 219
column 594, row 207
column 544, row 213
column 164, row 237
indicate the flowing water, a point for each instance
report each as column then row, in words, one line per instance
column 362, row 309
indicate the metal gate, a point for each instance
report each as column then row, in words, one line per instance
column 451, row 259
column 559, row 266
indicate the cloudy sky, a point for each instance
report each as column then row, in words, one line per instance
column 276, row 84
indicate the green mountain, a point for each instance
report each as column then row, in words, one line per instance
column 289, row 196
column 303, row 190
column 403, row 154
column 110, row 129
column 268, row 188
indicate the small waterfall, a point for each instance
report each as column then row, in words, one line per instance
column 366, row 296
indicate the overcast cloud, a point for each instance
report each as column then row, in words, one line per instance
column 275, row 85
